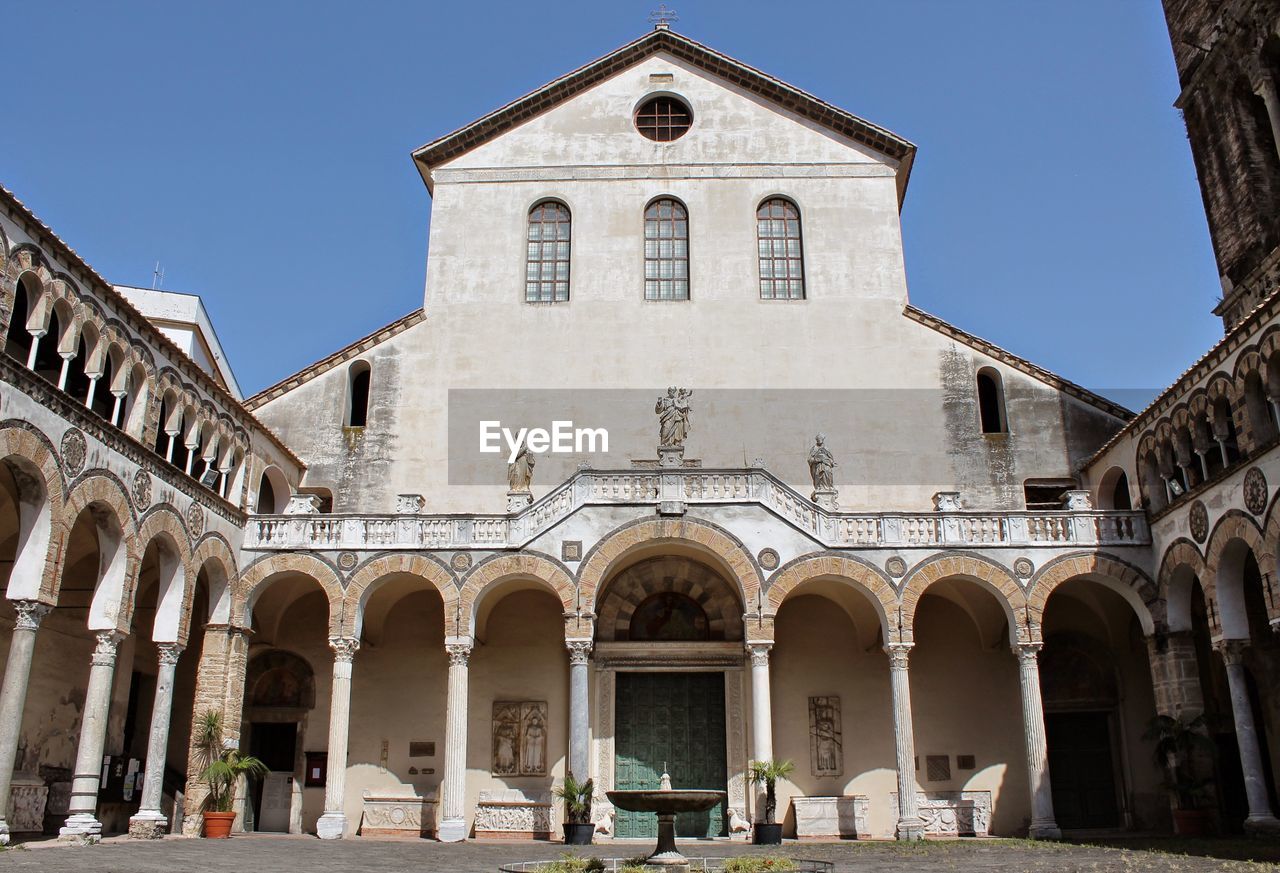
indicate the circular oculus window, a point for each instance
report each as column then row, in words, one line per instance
column 664, row 119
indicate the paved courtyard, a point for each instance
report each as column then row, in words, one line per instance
column 308, row 855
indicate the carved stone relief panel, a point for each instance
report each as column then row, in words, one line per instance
column 519, row 738
column 826, row 743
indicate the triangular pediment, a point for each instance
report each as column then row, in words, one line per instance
column 733, row 73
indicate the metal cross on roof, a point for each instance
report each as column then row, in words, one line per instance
column 662, row 17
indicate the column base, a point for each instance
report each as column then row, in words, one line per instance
column 910, row 829
column 1047, row 830
column 452, row 830
column 81, row 827
column 332, row 826
column 1262, row 826
column 150, row 824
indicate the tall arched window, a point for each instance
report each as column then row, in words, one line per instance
column 781, row 257
column 546, row 277
column 666, row 251
column 358, row 394
column 991, row 412
column 18, row 342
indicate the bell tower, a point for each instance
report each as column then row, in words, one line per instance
column 1228, row 58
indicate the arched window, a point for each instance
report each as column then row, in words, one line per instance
column 666, row 251
column 18, row 341
column 991, row 402
column 48, row 361
column 547, row 271
column 77, row 384
column 1120, row 498
column 358, row 394
column 781, row 258
column 266, row 496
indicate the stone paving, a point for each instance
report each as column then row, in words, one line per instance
column 261, row 854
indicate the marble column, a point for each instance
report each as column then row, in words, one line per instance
column 579, row 709
column 333, row 824
column 910, row 826
column 150, row 822
column 1043, row 824
column 83, row 822
column 13, row 696
column 1255, row 781
column 453, row 821
column 761, row 702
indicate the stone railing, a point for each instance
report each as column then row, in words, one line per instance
column 671, row 490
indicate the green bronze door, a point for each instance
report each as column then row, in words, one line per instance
column 676, row 719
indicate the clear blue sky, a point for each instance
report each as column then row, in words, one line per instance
column 260, row 151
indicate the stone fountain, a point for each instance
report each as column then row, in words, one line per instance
column 667, row 802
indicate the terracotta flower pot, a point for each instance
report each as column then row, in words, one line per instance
column 1190, row 822
column 217, row 825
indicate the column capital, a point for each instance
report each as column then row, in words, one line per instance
column 344, row 648
column 30, row 614
column 1027, row 651
column 579, row 650
column 459, row 652
column 169, row 653
column 759, row 652
column 898, row 654
column 104, row 650
column 1232, row 651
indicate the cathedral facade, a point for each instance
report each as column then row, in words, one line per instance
column 792, row 516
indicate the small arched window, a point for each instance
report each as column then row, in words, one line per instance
column 546, row 277
column 781, row 258
column 266, row 495
column 358, row 394
column 991, row 412
column 666, row 251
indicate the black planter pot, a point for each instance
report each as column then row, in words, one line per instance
column 578, row 834
column 767, row 834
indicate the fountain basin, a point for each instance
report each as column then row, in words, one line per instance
column 669, row 802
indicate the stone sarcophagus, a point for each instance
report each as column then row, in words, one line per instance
column 953, row 813
column 398, row 815
column 828, row 818
column 511, row 814
column 27, row 798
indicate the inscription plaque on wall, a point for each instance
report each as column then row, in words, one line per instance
column 826, row 745
column 422, row 749
column 519, row 738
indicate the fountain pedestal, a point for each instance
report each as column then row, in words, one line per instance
column 666, row 802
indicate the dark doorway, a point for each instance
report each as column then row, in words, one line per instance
column 1082, row 769
column 276, row 745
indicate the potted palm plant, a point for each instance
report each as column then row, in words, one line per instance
column 577, row 797
column 1180, row 744
column 221, row 769
column 767, row 773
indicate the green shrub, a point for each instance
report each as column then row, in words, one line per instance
column 759, row 864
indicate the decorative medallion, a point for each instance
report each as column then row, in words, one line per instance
column 195, row 520
column 571, row 550
column 460, row 561
column 73, row 451
column 1199, row 518
column 896, row 567
column 1255, row 491
column 1023, row 568
column 768, row 559
column 346, row 561
column 141, row 489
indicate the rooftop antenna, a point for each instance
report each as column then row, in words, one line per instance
column 662, row 17
column 157, row 276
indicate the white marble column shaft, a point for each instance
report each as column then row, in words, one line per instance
column 761, row 702
column 13, row 696
column 1260, row 816
column 910, row 826
column 453, row 822
column 83, row 822
column 333, row 824
column 1043, row 824
column 579, row 708
column 149, row 813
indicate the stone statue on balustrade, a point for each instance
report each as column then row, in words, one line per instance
column 822, row 466
column 673, row 417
